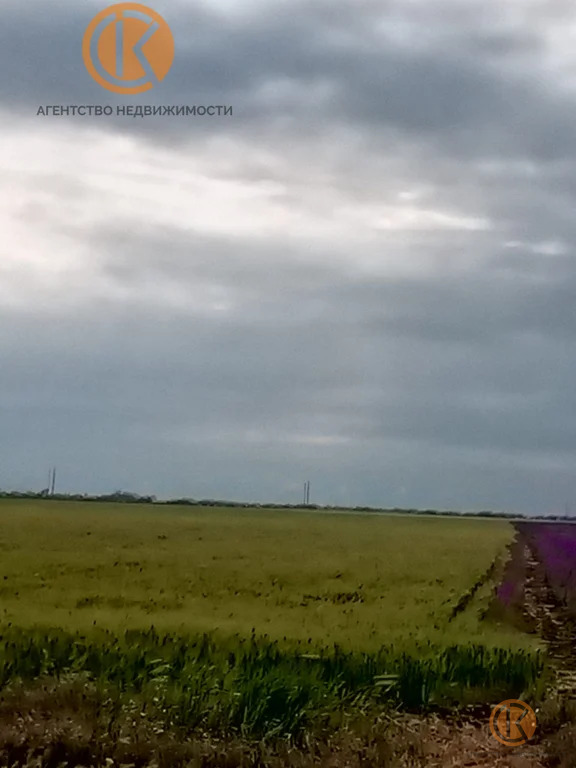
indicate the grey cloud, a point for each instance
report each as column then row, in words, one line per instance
column 312, row 354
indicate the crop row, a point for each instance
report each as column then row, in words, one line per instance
column 252, row 686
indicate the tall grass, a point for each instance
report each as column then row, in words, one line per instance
column 255, row 688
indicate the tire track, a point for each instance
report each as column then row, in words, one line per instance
column 554, row 624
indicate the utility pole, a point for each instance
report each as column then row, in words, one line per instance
column 53, row 482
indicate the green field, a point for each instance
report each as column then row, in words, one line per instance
column 357, row 580
column 163, row 628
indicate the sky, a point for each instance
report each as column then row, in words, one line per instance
column 364, row 277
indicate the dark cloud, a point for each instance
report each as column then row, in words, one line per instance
column 448, row 364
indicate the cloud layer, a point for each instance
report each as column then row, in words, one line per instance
column 365, row 277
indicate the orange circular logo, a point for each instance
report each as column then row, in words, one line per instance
column 513, row 722
column 128, row 48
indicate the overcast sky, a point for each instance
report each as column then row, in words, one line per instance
column 364, row 277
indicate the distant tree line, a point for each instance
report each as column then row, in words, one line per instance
column 117, row 496
column 125, row 497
